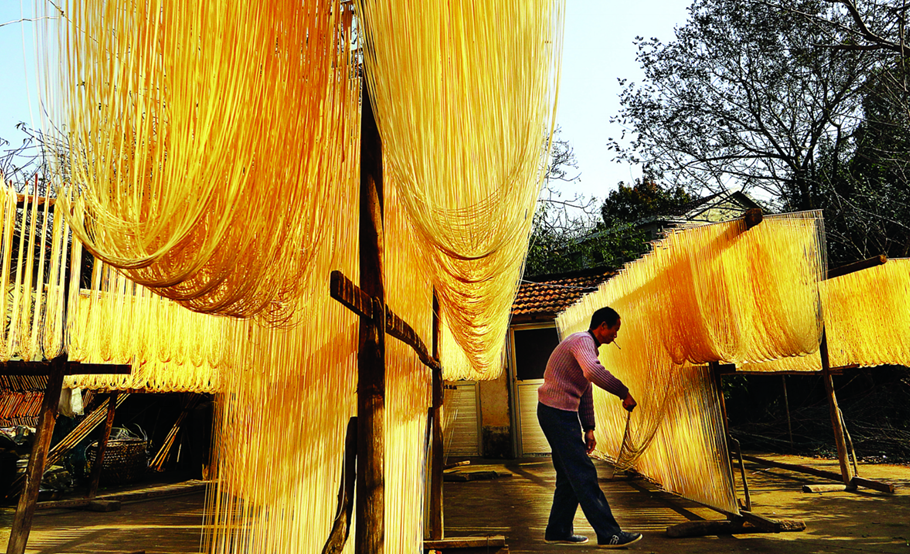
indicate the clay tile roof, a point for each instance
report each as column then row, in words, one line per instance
column 545, row 299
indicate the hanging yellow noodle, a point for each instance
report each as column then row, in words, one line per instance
column 456, row 364
column 280, row 429
column 9, row 222
column 867, row 314
column 464, row 94
column 703, row 294
column 745, row 295
column 409, row 294
column 218, row 200
column 32, row 289
column 203, row 142
column 281, row 434
column 285, row 413
column 169, row 348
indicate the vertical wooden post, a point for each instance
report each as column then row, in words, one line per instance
column 845, row 469
column 436, row 464
column 783, row 380
column 341, row 527
column 714, row 368
column 28, row 500
column 370, row 534
column 102, row 445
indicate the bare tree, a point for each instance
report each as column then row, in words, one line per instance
column 557, row 211
column 743, row 98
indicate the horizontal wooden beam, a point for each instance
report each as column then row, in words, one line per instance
column 854, row 483
column 827, row 487
column 834, row 371
column 90, row 504
column 352, row 297
column 744, row 521
column 726, row 527
column 731, row 369
column 760, row 522
column 63, row 504
column 870, row 484
column 21, row 367
column 833, row 475
column 345, row 291
column 399, row 329
column 857, row 266
column 79, row 368
column 465, row 542
column 21, row 198
column 839, row 369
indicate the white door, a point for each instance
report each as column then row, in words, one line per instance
column 460, row 425
column 532, row 345
column 533, row 442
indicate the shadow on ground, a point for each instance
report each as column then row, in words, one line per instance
column 517, row 506
column 841, row 522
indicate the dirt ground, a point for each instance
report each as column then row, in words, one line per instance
column 517, row 505
column 837, row 522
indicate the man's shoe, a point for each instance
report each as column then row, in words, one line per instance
column 621, row 540
column 571, row 539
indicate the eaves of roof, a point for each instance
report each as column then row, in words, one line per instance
column 545, row 299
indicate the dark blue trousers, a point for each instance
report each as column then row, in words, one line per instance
column 576, row 477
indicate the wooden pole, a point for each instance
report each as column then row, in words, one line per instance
column 839, row 440
column 369, row 537
column 856, row 481
column 436, row 464
column 783, row 380
column 799, row 468
column 716, row 372
column 341, row 527
column 161, row 457
column 857, row 266
column 28, row 500
column 852, row 452
column 753, row 217
column 102, row 445
column 714, row 367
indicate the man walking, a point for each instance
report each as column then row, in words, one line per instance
column 565, row 408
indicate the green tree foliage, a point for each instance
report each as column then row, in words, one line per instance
column 560, row 222
column 551, row 253
column 867, row 185
column 609, row 243
column 629, row 204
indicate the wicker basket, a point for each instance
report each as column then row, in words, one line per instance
column 125, row 460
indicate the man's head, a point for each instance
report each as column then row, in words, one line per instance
column 605, row 324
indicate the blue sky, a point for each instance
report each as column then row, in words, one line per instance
column 598, row 49
column 17, row 85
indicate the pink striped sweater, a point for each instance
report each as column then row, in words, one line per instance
column 571, row 369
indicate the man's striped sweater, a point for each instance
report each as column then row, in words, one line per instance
column 571, row 369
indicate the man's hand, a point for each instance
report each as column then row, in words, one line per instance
column 628, row 402
column 590, row 442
